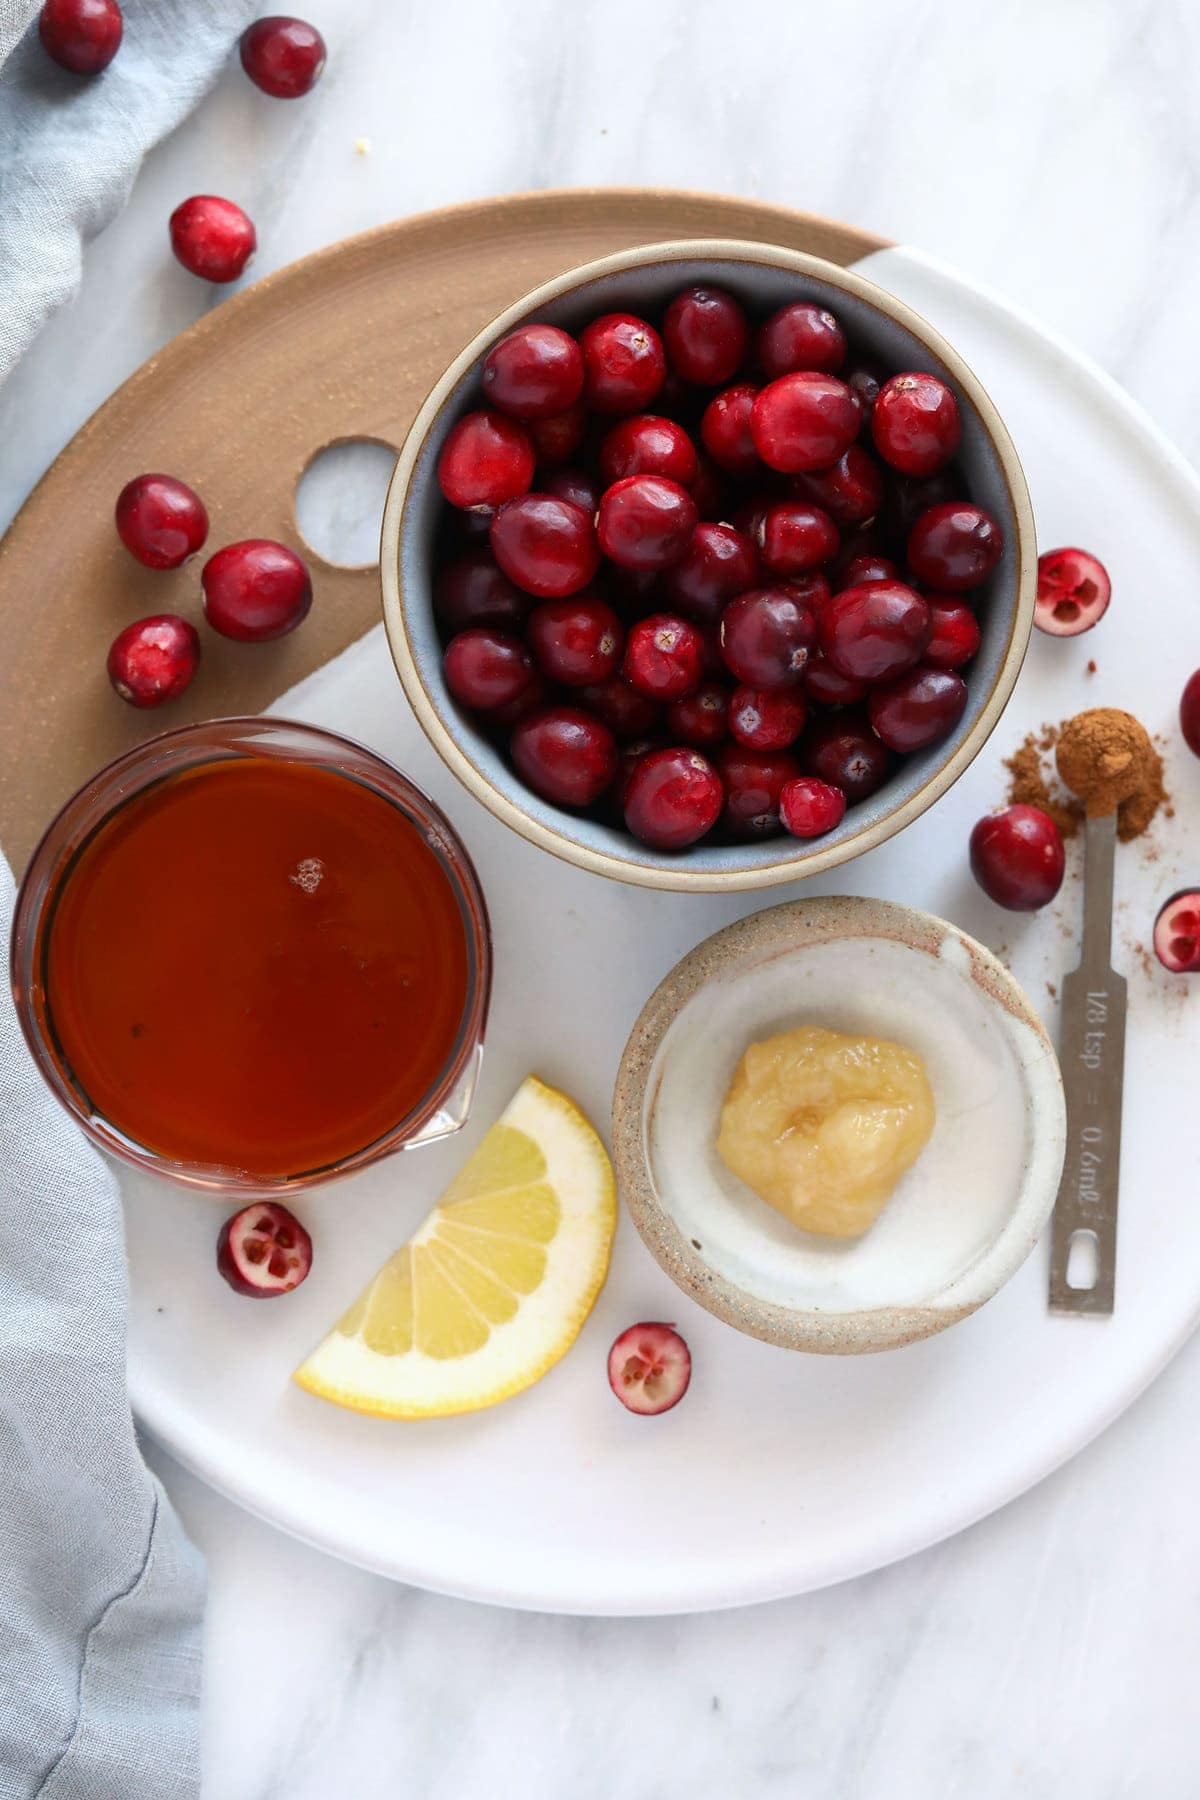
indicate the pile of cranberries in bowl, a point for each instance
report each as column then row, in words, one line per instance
column 709, row 575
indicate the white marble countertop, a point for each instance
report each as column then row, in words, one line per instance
column 1054, row 1649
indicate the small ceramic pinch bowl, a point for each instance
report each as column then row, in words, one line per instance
column 960, row 1222
column 764, row 277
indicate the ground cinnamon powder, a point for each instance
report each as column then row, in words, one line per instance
column 1105, row 757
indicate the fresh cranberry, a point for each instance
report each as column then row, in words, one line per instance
column 631, row 755
column 547, row 546
column 1017, row 857
column 255, row 590
column 725, row 430
column 645, row 522
column 800, row 336
column 282, row 56
column 473, row 590
column 864, row 381
column 212, row 237
column 672, row 797
column 843, row 751
column 626, row 711
column 648, row 445
column 536, row 372
column 858, row 542
column 556, row 440
column 153, row 660
column 918, row 708
column 486, row 668
column 576, row 485
column 663, row 657
column 767, row 636
column 81, row 35
column 795, row 537
column 915, row 424
column 1073, row 592
column 485, row 460
column 956, row 635
column 749, row 517
column 905, row 499
column 718, row 563
column 705, row 333
column 624, row 363
column 160, row 520
column 1177, row 933
column 707, row 489
column 804, row 421
column 264, row 1251
column 507, row 716
column 649, row 1368
column 874, row 631
column 823, row 684
column 577, row 640
column 1189, row 713
column 766, row 721
column 813, row 588
column 809, row 808
column 851, row 491
column 565, row 755
column 754, row 780
column 869, row 568
column 700, row 719
column 955, row 546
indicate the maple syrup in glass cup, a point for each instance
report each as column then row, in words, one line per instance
column 252, row 956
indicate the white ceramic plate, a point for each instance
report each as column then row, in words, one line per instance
column 780, row 1472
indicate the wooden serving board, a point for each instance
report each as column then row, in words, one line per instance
column 343, row 344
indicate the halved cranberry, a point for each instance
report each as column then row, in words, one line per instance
column 1017, row 857
column 795, row 537
column 576, row 485
column 663, row 656
column 212, row 237
column 672, row 798
column 804, row 421
column 536, row 372
column 809, row 808
column 153, row 660
column 874, row 631
column 264, row 1251
column 556, row 440
column 626, row 711
column 955, row 546
column 283, row 56
column 255, row 590
column 918, row 708
column 869, row 568
column 955, row 637
column 649, row 1368
column 160, row 520
column 577, row 640
column 565, row 755
column 624, row 363
column 1177, row 932
column 800, row 336
column 725, row 430
column 700, row 719
column 1189, row 713
column 1073, row 592
column 486, row 668
column 827, row 687
column 718, row 563
column 850, row 491
column 705, row 332
column 648, row 445
column 547, row 546
column 845, row 752
column 474, row 590
column 754, row 780
column 645, row 522
column 906, row 498
column 767, row 636
column 487, row 458
column 80, row 35
column 915, row 424
column 766, row 721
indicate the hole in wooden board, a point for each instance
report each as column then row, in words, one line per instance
column 1083, row 1260
column 339, row 501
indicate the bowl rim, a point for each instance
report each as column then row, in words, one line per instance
column 797, row 863
column 792, row 925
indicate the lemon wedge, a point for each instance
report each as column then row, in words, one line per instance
column 494, row 1287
